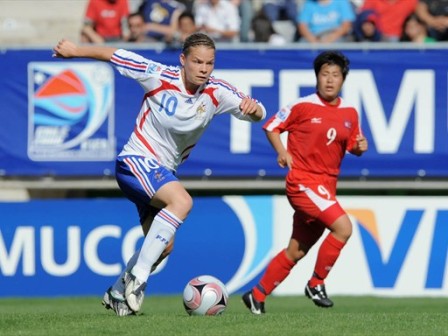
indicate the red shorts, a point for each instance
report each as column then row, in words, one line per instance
column 316, row 208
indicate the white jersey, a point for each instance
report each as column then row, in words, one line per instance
column 171, row 120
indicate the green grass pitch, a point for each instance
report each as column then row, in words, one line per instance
column 165, row 315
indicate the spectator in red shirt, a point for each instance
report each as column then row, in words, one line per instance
column 104, row 21
column 391, row 15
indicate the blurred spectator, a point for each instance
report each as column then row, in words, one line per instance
column 185, row 27
column 136, row 27
column 104, row 21
column 245, row 9
column 263, row 30
column 357, row 4
column 391, row 16
column 283, row 15
column 218, row 18
column 435, row 14
column 161, row 17
column 189, row 5
column 326, row 21
column 415, row 30
column 281, row 10
column 365, row 27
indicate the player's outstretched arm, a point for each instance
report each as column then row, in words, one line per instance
column 68, row 49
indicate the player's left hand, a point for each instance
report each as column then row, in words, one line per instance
column 361, row 145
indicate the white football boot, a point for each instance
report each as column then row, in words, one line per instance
column 116, row 302
column 134, row 291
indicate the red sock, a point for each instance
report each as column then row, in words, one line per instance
column 328, row 254
column 277, row 270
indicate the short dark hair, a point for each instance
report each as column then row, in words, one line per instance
column 136, row 14
column 197, row 39
column 186, row 14
column 332, row 57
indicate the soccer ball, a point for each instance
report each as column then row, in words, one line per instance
column 205, row 295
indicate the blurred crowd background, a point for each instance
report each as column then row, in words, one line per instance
column 274, row 22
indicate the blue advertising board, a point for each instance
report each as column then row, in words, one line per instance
column 71, row 117
column 79, row 247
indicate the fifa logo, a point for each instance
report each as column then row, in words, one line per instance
column 71, row 112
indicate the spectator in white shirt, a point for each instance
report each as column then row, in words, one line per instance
column 219, row 19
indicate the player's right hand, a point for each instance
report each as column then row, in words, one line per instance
column 284, row 160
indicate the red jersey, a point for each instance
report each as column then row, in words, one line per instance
column 319, row 134
column 391, row 14
column 106, row 17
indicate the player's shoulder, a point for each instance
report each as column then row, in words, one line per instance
column 158, row 69
column 296, row 106
column 348, row 108
column 314, row 99
column 221, row 84
column 170, row 72
column 343, row 103
column 310, row 99
column 132, row 60
column 223, row 88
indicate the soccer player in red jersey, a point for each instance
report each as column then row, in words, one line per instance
column 321, row 128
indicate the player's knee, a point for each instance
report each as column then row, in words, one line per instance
column 182, row 205
column 343, row 232
column 295, row 254
column 347, row 232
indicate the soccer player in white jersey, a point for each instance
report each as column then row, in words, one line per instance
column 179, row 103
